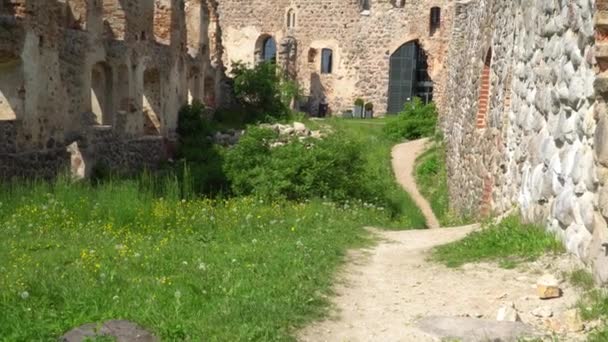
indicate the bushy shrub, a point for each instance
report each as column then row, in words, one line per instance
column 202, row 158
column 417, row 120
column 332, row 167
column 258, row 91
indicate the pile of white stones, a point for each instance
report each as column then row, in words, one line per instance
column 286, row 132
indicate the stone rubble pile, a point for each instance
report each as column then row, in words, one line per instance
column 286, row 132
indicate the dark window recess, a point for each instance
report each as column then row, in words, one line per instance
column 269, row 52
column 327, row 61
column 435, row 20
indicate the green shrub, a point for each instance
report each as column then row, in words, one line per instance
column 417, row 120
column 332, row 167
column 359, row 102
column 259, row 93
column 190, row 122
column 198, row 154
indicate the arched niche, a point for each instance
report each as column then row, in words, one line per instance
column 152, row 102
column 12, row 87
column 101, row 93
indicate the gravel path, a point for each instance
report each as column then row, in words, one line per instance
column 382, row 292
column 404, row 159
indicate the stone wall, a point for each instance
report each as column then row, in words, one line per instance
column 362, row 42
column 67, row 66
column 538, row 148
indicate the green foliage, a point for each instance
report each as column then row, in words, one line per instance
column 198, row 154
column 594, row 305
column 377, row 179
column 220, row 270
column 582, row 279
column 507, row 242
column 369, row 106
column 432, row 180
column 190, row 122
column 290, row 91
column 259, row 92
column 417, row 120
column 331, row 167
column 359, row 102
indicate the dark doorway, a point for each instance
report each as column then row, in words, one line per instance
column 408, row 77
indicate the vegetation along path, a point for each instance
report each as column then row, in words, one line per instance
column 383, row 293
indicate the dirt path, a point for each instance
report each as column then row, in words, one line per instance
column 383, row 292
column 404, row 159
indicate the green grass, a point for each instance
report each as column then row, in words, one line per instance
column 431, row 177
column 215, row 270
column 377, row 151
column 508, row 243
column 582, row 279
column 593, row 304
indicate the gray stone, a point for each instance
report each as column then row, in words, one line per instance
column 508, row 313
column 121, row 331
column 468, row 329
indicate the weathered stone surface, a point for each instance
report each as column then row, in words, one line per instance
column 475, row 330
column 542, row 312
column 543, row 106
column 75, row 71
column 361, row 42
column 118, row 330
column 508, row 313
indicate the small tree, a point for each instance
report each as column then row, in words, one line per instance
column 258, row 91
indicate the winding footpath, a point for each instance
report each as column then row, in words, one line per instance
column 404, row 160
column 383, row 292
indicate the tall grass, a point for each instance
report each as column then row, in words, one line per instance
column 508, row 243
column 376, row 149
column 148, row 251
column 432, row 180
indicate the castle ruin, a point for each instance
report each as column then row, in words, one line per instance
column 521, row 86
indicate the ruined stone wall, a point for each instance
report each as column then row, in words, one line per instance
column 362, row 42
column 71, row 65
column 536, row 148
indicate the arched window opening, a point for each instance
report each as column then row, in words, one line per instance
column 194, row 85
column 152, row 102
column 408, row 77
column 197, row 25
column 484, row 92
column 327, row 61
column 162, row 21
column 101, row 93
column 291, row 18
column 269, row 50
column 435, row 20
column 114, row 19
column 76, row 16
column 12, row 89
column 209, row 92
